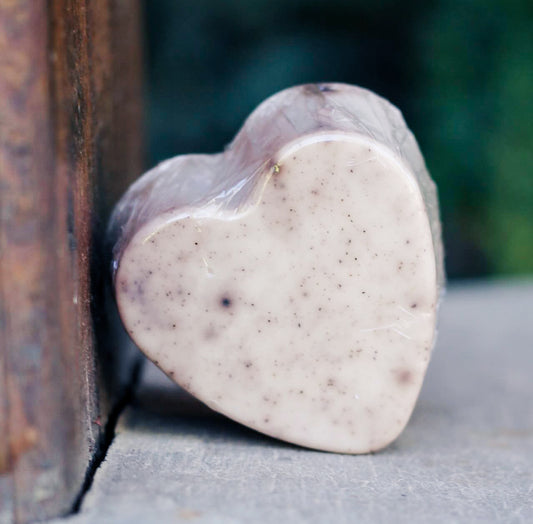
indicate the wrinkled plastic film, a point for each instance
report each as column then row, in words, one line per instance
column 226, row 184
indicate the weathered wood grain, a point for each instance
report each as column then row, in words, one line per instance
column 69, row 116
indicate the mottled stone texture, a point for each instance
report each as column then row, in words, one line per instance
column 292, row 281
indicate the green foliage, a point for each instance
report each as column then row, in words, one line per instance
column 478, row 65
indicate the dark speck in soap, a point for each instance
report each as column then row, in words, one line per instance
column 404, row 376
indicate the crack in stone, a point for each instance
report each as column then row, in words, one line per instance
column 106, row 437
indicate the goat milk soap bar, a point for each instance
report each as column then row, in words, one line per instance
column 290, row 282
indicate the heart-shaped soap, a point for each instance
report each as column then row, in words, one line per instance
column 290, row 282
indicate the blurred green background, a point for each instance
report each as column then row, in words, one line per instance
column 460, row 71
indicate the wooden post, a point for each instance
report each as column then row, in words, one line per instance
column 70, row 142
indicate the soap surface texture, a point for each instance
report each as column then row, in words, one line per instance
column 292, row 281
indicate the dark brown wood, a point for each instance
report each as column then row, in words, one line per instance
column 70, row 143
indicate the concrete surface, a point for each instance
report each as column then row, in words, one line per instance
column 466, row 455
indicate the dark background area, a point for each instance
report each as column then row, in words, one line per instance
column 460, row 71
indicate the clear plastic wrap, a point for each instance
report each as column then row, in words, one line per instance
column 228, row 183
column 292, row 281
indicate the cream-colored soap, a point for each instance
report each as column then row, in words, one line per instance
column 291, row 282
